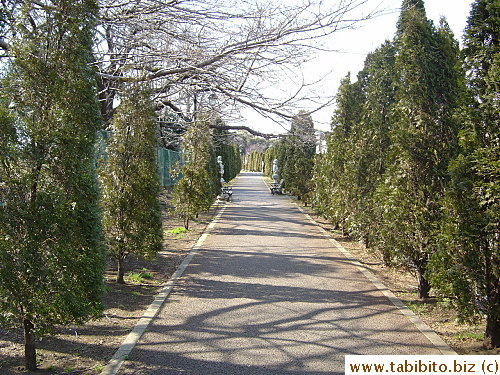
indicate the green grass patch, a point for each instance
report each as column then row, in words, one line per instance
column 177, row 230
column 135, row 277
column 470, row 335
column 139, row 277
column 146, row 274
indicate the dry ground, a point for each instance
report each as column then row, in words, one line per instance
column 84, row 350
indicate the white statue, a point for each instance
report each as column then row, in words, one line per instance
column 275, row 171
column 221, row 169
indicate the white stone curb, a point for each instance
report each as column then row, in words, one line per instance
column 421, row 326
column 133, row 337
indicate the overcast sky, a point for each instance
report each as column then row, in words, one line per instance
column 351, row 48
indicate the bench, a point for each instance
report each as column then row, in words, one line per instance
column 226, row 193
column 277, row 188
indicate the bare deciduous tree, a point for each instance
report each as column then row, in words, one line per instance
column 239, row 49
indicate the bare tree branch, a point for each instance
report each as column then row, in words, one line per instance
column 187, row 49
column 246, row 128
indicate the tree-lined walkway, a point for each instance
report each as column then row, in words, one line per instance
column 268, row 294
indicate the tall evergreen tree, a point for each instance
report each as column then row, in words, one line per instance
column 130, row 183
column 468, row 263
column 336, row 175
column 198, row 187
column 370, row 144
column 226, row 147
column 299, row 149
column 254, row 161
column 270, row 155
column 423, row 138
column 51, row 253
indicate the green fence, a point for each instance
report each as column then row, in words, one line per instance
column 169, row 164
column 169, row 161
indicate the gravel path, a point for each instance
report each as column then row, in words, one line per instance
column 268, row 294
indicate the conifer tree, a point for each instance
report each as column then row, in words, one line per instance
column 198, row 187
column 370, row 142
column 254, row 161
column 337, row 162
column 299, row 148
column 321, row 181
column 468, row 263
column 423, row 138
column 130, row 184
column 269, row 156
column 230, row 153
column 51, row 253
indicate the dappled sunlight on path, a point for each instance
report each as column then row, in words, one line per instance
column 268, row 294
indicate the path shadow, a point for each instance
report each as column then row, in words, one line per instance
column 281, row 307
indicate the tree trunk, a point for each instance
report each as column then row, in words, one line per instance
column 366, row 240
column 386, row 257
column 29, row 345
column 492, row 332
column 423, row 285
column 121, row 271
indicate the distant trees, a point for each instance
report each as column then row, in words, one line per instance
column 129, row 182
column 269, row 156
column 297, row 154
column 51, row 250
column 254, row 161
column 230, row 152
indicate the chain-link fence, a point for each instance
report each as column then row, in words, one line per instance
column 169, row 161
column 169, row 165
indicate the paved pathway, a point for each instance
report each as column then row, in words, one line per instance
column 268, row 294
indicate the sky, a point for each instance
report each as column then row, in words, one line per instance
column 351, row 48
